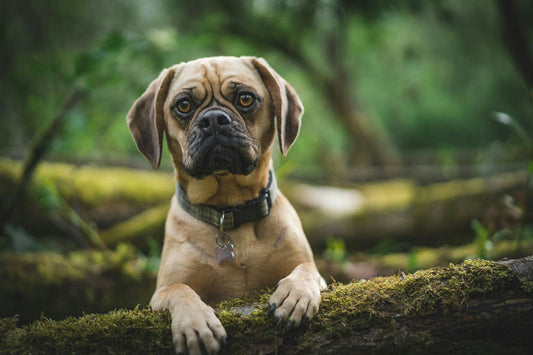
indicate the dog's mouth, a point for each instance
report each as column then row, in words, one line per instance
column 221, row 150
column 220, row 161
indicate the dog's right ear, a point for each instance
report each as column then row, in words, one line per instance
column 145, row 117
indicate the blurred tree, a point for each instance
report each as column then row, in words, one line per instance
column 427, row 73
column 516, row 37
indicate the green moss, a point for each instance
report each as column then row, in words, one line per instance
column 7, row 325
column 389, row 195
column 528, row 287
column 442, row 290
column 351, row 317
column 92, row 186
column 357, row 307
column 125, row 331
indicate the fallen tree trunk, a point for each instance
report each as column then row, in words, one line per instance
column 149, row 224
column 478, row 306
column 55, row 285
column 378, row 211
column 364, row 266
column 398, row 209
column 104, row 196
column 401, row 209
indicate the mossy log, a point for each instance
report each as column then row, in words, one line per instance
column 378, row 211
column 149, row 224
column 57, row 286
column 474, row 307
column 364, row 266
column 103, row 196
column 400, row 209
column 108, row 197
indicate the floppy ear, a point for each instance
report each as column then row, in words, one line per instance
column 145, row 117
column 287, row 104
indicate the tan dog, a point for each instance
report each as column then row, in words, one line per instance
column 228, row 232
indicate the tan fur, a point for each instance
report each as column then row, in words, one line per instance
column 273, row 250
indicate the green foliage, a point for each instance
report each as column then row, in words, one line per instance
column 335, row 250
column 413, row 264
column 482, row 241
column 50, row 200
column 153, row 260
column 414, row 88
column 422, row 90
column 21, row 241
column 517, row 128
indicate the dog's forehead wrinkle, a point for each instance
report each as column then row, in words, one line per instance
column 212, row 77
column 193, row 88
column 239, row 86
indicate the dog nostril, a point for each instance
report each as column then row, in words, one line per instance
column 223, row 120
column 213, row 119
column 204, row 123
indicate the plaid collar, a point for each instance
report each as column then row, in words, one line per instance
column 250, row 211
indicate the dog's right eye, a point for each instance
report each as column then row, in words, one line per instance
column 183, row 106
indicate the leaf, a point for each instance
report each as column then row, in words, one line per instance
column 503, row 118
column 21, row 241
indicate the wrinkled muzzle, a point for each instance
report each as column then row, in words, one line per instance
column 219, row 142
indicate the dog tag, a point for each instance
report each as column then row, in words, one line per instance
column 224, row 252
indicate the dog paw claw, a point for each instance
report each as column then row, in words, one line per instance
column 271, row 309
column 290, row 324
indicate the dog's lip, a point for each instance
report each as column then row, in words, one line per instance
column 222, row 172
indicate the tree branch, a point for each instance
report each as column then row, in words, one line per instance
column 38, row 151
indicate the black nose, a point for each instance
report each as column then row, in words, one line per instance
column 213, row 120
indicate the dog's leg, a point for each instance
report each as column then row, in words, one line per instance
column 297, row 296
column 193, row 322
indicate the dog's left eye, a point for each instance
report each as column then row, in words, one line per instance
column 246, row 100
column 184, row 106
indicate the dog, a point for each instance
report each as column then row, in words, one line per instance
column 229, row 231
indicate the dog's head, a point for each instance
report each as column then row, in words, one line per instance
column 218, row 115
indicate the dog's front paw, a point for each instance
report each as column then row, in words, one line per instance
column 297, row 297
column 196, row 328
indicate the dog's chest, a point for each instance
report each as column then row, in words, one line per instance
column 255, row 266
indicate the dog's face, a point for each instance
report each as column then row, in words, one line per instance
column 218, row 115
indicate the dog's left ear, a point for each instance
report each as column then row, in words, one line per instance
column 288, row 107
column 145, row 118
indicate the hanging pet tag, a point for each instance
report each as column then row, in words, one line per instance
column 224, row 250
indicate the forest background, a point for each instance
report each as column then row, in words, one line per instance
column 409, row 105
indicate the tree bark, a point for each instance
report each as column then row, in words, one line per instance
column 474, row 307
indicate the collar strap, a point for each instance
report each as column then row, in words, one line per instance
column 250, row 211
